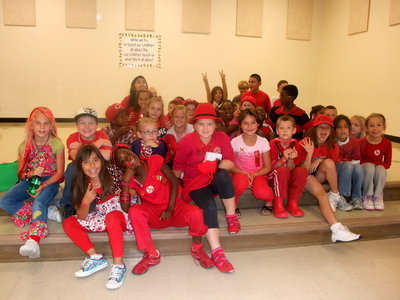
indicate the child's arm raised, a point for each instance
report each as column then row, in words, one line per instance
column 208, row 91
column 308, row 146
column 224, row 86
column 174, row 185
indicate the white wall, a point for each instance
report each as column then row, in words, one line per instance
column 65, row 68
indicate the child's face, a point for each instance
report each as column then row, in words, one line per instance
column 261, row 113
column 190, row 109
column 249, row 125
column 179, row 119
column 243, row 90
column 342, row 131
column 171, row 107
column 120, row 120
column 148, row 133
column 126, row 158
column 285, row 130
column 218, row 96
column 92, row 166
column 279, row 89
column 285, row 98
column 254, row 84
column 331, row 112
column 237, row 111
column 41, row 125
column 205, row 128
column 140, row 84
column 323, row 132
column 87, row 127
column 375, row 127
column 320, row 112
column 143, row 101
column 246, row 105
column 355, row 127
column 155, row 110
column 226, row 111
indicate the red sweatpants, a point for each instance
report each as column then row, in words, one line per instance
column 288, row 184
column 115, row 224
column 260, row 187
column 146, row 216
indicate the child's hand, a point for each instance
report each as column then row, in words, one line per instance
column 250, row 177
column 90, row 194
column 128, row 174
column 315, row 164
column 37, row 192
column 204, row 76
column 166, row 214
column 293, row 154
column 308, row 145
column 38, row 171
column 221, row 73
column 287, row 153
column 98, row 143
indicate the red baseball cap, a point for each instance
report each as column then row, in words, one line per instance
column 205, row 111
column 114, row 109
column 320, row 119
column 250, row 99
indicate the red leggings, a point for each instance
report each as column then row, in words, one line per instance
column 260, row 187
column 288, row 184
column 146, row 216
column 115, row 224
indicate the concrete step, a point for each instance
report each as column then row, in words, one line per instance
column 258, row 232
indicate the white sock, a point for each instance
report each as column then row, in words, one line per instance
column 96, row 256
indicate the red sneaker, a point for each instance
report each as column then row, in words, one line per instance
column 199, row 256
column 221, row 262
column 233, row 224
column 146, row 262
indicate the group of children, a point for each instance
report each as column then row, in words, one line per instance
column 143, row 169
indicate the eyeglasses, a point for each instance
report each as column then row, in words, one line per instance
column 148, row 132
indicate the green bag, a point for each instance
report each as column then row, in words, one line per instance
column 8, row 175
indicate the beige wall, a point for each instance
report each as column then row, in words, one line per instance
column 66, row 68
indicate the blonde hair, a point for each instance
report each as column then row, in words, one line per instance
column 156, row 99
column 361, row 120
column 176, row 108
column 376, row 115
column 140, row 124
column 243, row 84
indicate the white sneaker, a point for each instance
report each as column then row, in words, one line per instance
column 116, row 278
column 333, row 200
column 378, row 202
column 31, row 249
column 357, row 203
column 341, row 233
column 91, row 265
column 368, row 204
column 54, row 214
column 343, row 205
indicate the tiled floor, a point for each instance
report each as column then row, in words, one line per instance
column 365, row 270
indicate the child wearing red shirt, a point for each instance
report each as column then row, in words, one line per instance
column 288, row 177
column 376, row 158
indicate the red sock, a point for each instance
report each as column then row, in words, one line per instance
column 197, row 247
column 35, row 238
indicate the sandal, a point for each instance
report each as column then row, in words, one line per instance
column 237, row 212
column 266, row 210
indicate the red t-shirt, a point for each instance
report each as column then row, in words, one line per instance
column 379, row 154
column 76, row 137
column 262, row 99
column 323, row 152
column 156, row 187
column 133, row 116
column 191, row 152
column 277, row 151
column 350, row 151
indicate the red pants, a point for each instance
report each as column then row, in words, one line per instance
column 115, row 223
column 260, row 187
column 288, row 184
column 146, row 216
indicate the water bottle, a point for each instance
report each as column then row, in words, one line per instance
column 34, row 185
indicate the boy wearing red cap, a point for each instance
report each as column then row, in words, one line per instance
column 288, row 96
column 204, row 157
column 262, row 99
column 247, row 102
column 118, row 130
